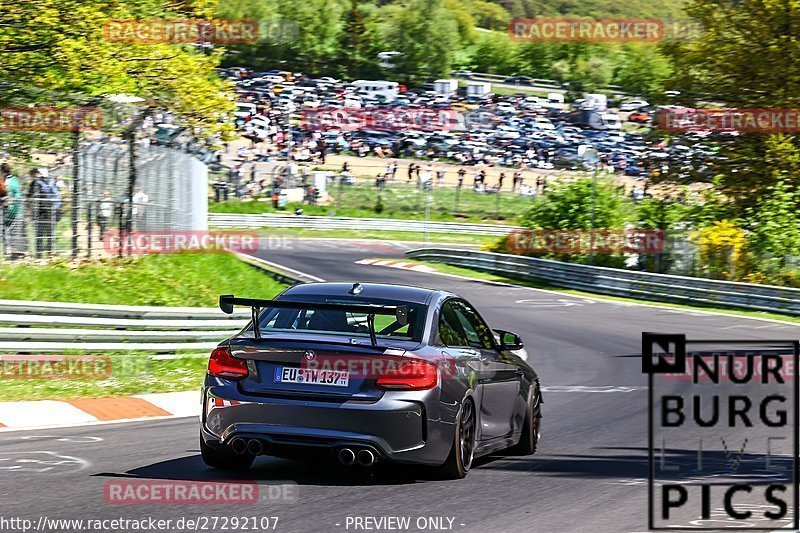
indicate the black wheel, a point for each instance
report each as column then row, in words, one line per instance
column 224, row 458
column 460, row 459
column 532, row 427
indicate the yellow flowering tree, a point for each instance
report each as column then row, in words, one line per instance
column 723, row 250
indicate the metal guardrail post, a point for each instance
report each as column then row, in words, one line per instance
column 625, row 283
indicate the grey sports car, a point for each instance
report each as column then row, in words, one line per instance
column 365, row 373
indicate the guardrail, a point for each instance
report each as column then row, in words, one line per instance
column 224, row 220
column 537, row 83
column 33, row 326
column 626, row 283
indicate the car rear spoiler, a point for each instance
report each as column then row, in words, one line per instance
column 400, row 312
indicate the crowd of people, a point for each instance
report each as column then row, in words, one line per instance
column 32, row 205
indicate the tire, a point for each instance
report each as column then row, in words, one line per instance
column 223, row 458
column 459, row 461
column 532, row 427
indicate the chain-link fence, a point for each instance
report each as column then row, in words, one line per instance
column 52, row 215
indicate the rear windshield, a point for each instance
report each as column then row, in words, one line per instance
column 345, row 323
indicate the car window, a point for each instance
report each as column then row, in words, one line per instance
column 478, row 334
column 451, row 333
column 341, row 322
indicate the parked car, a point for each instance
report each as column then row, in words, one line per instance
column 631, row 105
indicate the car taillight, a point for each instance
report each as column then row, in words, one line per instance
column 223, row 365
column 412, row 375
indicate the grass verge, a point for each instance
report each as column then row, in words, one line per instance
column 403, row 201
column 180, row 279
column 408, row 236
column 125, row 374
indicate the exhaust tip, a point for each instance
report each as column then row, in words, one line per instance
column 255, row 447
column 239, row 446
column 346, row 456
column 366, row 458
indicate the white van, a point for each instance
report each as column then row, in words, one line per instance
column 611, row 121
column 556, row 101
column 446, row 88
column 244, row 110
column 385, row 91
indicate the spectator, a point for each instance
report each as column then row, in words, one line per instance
column 410, row 171
column 394, row 170
column 13, row 221
column 56, row 192
column 461, row 173
column 104, row 213
column 441, row 175
column 43, row 199
column 216, row 185
column 140, row 199
column 500, row 181
column 516, row 181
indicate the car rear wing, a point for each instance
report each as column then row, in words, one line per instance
column 400, row 312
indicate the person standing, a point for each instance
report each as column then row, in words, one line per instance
column 394, row 170
column 104, row 213
column 323, row 151
column 13, row 220
column 410, row 172
column 42, row 212
column 140, row 199
column 3, row 196
column 441, row 175
column 500, row 181
column 461, row 174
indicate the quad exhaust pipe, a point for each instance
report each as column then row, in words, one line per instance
column 347, row 457
column 255, row 447
column 364, row 457
column 240, row 446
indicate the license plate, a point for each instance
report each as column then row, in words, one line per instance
column 308, row 376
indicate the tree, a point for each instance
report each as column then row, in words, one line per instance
column 568, row 206
column 775, row 229
column 354, row 42
column 494, row 52
column 60, row 45
column 745, row 55
column 723, row 250
column 426, row 34
column 642, row 70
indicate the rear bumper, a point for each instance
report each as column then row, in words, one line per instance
column 400, row 426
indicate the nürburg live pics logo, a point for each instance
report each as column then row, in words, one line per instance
column 722, row 433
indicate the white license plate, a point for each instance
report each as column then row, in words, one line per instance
column 284, row 374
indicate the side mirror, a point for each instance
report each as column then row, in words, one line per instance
column 509, row 340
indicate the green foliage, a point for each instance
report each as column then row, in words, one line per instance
column 775, row 227
column 355, row 43
column 426, row 33
column 130, row 373
column 181, row 279
column 643, row 70
column 55, row 52
column 744, row 54
column 568, row 205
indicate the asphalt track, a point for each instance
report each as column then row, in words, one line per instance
column 589, row 475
